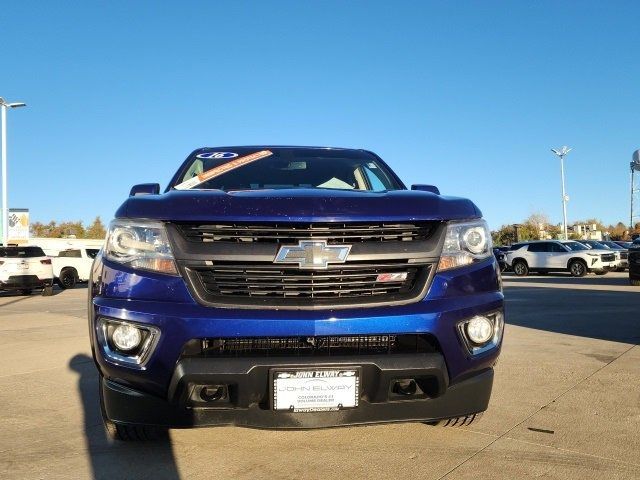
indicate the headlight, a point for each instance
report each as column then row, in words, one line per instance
column 465, row 243
column 140, row 244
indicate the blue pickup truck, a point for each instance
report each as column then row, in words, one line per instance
column 293, row 287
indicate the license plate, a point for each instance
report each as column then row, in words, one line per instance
column 315, row 390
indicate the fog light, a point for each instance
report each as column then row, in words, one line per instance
column 480, row 330
column 126, row 337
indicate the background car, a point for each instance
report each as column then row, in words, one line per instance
column 25, row 269
column 499, row 253
column 73, row 265
column 621, row 253
column 559, row 255
column 626, row 245
column 624, row 253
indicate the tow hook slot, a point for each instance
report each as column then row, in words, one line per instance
column 416, row 388
column 208, row 395
column 405, row 387
column 213, row 393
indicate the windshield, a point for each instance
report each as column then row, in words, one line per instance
column 21, row 252
column 596, row 245
column 612, row 245
column 243, row 168
column 575, row 246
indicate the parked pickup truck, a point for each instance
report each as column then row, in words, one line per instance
column 293, row 287
column 73, row 266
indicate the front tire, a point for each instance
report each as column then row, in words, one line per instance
column 125, row 432
column 601, row 272
column 520, row 268
column 578, row 268
column 133, row 433
column 457, row 421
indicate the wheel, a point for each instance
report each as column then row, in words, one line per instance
column 26, row 291
column 457, row 421
column 578, row 268
column 125, row 432
column 68, row 278
column 520, row 268
column 601, row 272
column 635, row 282
column 133, row 433
column 47, row 291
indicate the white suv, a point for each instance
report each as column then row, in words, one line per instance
column 25, row 269
column 559, row 255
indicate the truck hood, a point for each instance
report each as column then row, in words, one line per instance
column 297, row 205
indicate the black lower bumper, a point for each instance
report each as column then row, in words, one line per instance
column 248, row 401
column 25, row 282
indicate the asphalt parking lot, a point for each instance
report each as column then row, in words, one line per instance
column 566, row 403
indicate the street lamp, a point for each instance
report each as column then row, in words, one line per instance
column 4, row 105
column 565, row 198
column 635, row 167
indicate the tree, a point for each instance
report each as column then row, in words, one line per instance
column 554, row 231
column 539, row 220
column 95, row 230
column 506, row 235
column 49, row 230
column 71, row 229
column 527, row 231
column 68, row 229
column 618, row 231
column 510, row 234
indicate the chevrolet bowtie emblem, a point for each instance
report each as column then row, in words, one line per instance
column 312, row 254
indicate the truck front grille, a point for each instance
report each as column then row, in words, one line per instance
column 311, row 346
column 292, row 232
column 235, row 265
column 273, row 281
column 608, row 257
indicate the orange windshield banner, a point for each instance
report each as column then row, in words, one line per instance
column 220, row 169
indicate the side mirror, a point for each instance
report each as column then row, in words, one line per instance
column 145, row 189
column 426, row 188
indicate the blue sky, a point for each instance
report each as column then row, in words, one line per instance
column 467, row 95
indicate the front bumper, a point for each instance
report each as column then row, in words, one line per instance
column 154, row 393
column 25, row 282
column 249, row 402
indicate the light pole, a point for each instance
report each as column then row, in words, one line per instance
column 561, row 154
column 635, row 167
column 5, row 209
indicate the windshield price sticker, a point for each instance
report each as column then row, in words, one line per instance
column 222, row 169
